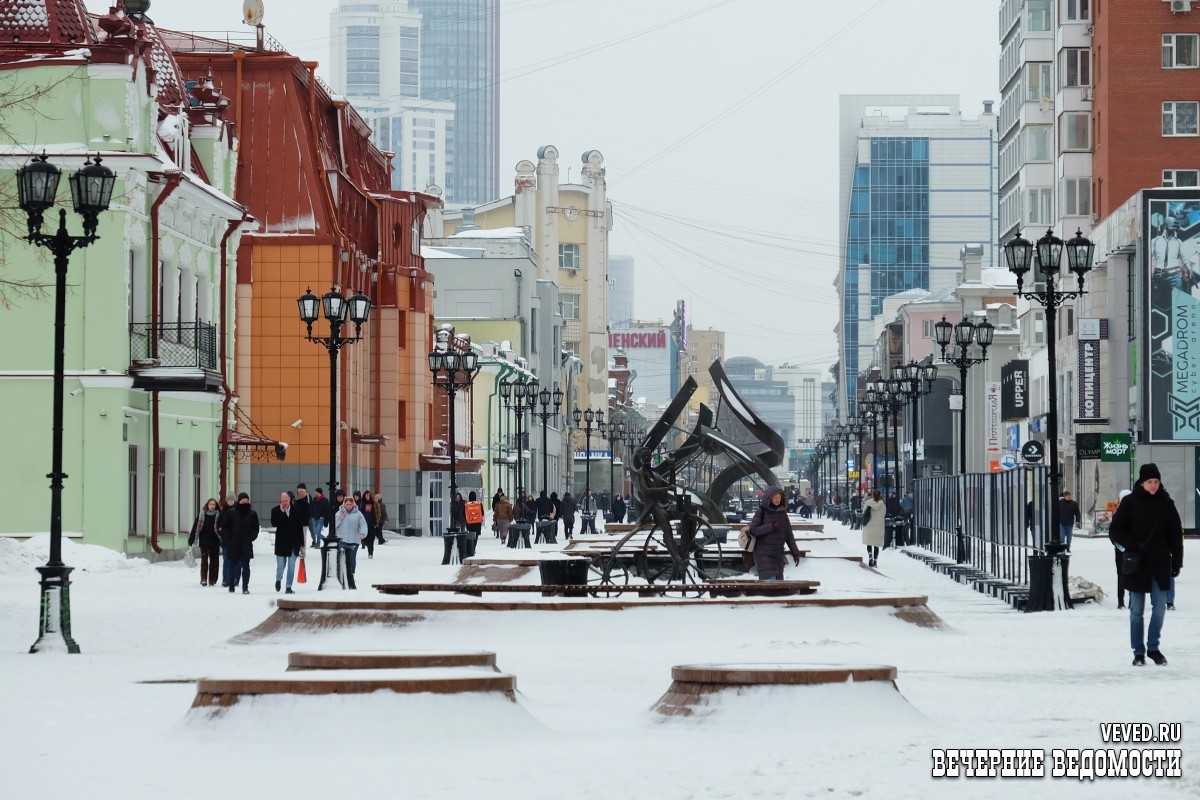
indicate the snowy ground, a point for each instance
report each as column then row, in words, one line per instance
column 86, row 725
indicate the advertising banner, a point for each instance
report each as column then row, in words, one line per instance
column 1115, row 447
column 995, row 433
column 1014, row 382
column 1089, row 380
column 1171, row 233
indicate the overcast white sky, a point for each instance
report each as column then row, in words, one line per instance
column 718, row 123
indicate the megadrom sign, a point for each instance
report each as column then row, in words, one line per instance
column 1171, row 232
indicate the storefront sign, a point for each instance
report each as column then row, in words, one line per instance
column 991, row 404
column 638, row 339
column 1089, row 380
column 1115, row 447
column 1014, row 380
column 1087, row 445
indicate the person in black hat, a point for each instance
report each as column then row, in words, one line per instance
column 1147, row 528
column 239, row 534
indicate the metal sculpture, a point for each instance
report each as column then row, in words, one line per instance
column 679, row 501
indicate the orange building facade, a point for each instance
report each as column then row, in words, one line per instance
column 319, row 191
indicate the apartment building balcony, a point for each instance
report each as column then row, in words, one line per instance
column 174, row 356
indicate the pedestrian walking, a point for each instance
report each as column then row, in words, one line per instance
column 223, row 525
column 289, row 539
column 351, row 529
column 566, row 512
column 873, row 530
column 473, row 513
column 1146, row 526
column 303, row 504
column 370, row 512
column 382, row 520
column 207, row 533
column 1068, row 516
column 587, row 509
column 320, row 513
column 502, row 516
column 772, row 531
column 618, row 509
column 1119, row 552
column 240, row 531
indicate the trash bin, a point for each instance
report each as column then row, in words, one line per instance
column 1048, row 583
column 518, row 534
column 547, row 530
column 564, row 572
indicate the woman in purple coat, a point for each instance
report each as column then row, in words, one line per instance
column 771, row 530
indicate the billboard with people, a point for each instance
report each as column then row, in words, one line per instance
column 1171, row 233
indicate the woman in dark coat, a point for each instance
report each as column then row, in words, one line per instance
column 370, row 512
column 771, row 530
column 207, row 531
column 1147, row 523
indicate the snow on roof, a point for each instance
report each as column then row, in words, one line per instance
column 434, row 252
column 493, row 233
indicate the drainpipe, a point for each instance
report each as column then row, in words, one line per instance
column 222, row 446
column 156, row 499
column 505, row 370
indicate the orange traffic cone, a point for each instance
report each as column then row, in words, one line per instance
column 301, row 575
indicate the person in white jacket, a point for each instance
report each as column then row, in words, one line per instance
column 873, row 533
column 351, row 529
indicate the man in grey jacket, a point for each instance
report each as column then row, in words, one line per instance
column 351, row 530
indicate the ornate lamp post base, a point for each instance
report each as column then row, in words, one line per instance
column 54, row 626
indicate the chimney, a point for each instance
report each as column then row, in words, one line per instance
column 987, row 106
column 971, row 258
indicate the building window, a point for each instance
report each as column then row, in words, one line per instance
column 1180, row 177
column 569, row 303
column 132, row 488
column 1077, row 197
column 1041, row 206
column 568, row 256
column 1180, row 50
column 1038, row 15
column 161, row 521
column 1076, row 67
column 716, row 346
column 927, row 329
column 1039, row 143
column 1076, row 127
column 1079, row 10
column 1179, row 118
column 1038, row 83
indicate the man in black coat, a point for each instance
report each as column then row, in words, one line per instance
column 544, row 506
column 289, row 539
column 566, row 511
column 1068, row 517
column 618, row 509
column 1147, row 528
column 238, row 532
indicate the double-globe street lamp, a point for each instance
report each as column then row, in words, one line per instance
column 1019, row 254
column 336, row 308
column 37, row 191
column 911, row 376
column 512, row 394
column 550, row 403
column 964, row 334
column 590, row 418
column 888, row 400
column 453, row 370
column 870, row 417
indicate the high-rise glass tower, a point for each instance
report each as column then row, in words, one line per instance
column 423, row 73
column 918, row 182
column 460, row 62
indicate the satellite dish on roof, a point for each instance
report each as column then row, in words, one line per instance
column 252, row 12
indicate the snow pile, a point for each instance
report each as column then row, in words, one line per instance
column 21, row 557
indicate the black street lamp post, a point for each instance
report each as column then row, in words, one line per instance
column 588, row 417
column 513, row 395
column 37, row 191
column 335, row 306
column 871, row 416
column 911, row 375
column 1019, row 254
column 453, row 370
column 964, row 334
column 859, row 428
column 550, row 402
column 845, row 434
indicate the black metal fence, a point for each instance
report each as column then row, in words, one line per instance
column 993, row 522
column 180, row 344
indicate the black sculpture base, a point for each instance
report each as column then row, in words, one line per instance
column 54, row 625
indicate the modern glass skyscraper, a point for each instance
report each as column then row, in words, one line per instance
column 918, row 183
column 460, row 62
column 387, row 54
